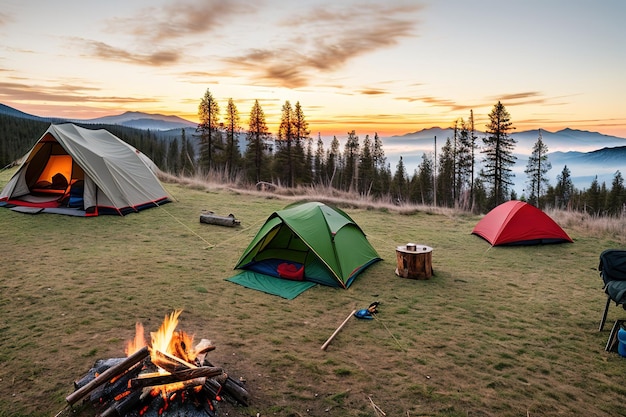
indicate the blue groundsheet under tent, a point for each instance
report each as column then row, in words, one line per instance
column 281, row 287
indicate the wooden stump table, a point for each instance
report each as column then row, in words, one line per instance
column 414, row 261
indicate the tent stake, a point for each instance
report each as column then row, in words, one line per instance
column 325, row 345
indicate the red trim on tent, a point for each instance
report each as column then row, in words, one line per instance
column 43, row 204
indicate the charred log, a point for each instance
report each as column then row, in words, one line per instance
column 107, row 375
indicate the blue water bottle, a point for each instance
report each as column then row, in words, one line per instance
column 621, row 337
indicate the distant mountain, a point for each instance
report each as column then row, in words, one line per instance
column 585, row 166
column 563, row 140
column 137, row 120
column 145, row 121
column 429, row 133
column 10, row 111
column 586, row 154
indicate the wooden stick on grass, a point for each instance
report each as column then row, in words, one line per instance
column 325, row 345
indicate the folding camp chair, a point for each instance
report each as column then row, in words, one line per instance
column 612, row 269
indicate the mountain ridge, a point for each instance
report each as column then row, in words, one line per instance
column 134, row 119
column 141, row 120
column 158, row 121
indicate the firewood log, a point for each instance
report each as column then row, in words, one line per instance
column 171, row 363
column 107, row 375
column 151, row 380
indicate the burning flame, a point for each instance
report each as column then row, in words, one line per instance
column 166, row 340
column 138, row 342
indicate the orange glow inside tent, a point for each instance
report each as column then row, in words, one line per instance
column 57, row 164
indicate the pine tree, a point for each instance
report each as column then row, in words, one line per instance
column 425, row 180
column 307, row 171
column 536, row 170
column 173, row 157
column 564, row 189
column 445, row 176
column 399, row 184
column 285, row 157
column 351, row 158
column 208, row 114
column 302, row 136
column 382, row 172
column 472, row 143
column 617, row 195
column 366, row 167
column 604, row 197
column 232, row 128
column 256, row 147
column 480, row 193
column 334, row 164
column 319, row 164
column 593, row 197
column 498, row 152
column 465, row 164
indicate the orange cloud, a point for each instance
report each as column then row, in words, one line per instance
column 5, row 19
column 439, row 102
column 179, row 19
column 158, row 58
column 520, row 99
column 517, row 96
column 332, row 38
column 64, row 93
column 372, row 91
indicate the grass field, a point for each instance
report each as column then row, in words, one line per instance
column 496, row 332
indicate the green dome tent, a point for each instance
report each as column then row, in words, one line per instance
column 305, row 244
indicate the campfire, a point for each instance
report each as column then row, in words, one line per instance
column 169, row 377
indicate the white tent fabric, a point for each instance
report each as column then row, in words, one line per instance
column 116, row 175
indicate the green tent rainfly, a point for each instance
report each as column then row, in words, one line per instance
column 322, row 245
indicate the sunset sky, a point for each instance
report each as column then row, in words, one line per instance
column 388, row 67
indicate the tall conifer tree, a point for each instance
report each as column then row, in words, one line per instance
column 498, row 151
column 537, row 169
column 256, row 147
column 232, row 128
column 208, row 114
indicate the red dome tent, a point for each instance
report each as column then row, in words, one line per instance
column 519, row 223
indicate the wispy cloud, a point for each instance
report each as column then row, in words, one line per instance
column 520, row 99
column 180, row 19
column 156, row 32
column 107, row 52
column 517, row 96
column 372, row 91
column 317, row 40
column 440, row 102
column 324, row 39
column 509, row 100
column 62, row 93
column 5, row 19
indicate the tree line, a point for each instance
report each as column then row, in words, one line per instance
column 471, row 173
column 292, row 158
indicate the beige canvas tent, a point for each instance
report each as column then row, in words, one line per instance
column 78, row 171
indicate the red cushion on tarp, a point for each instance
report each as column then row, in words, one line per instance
column 290, row 271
